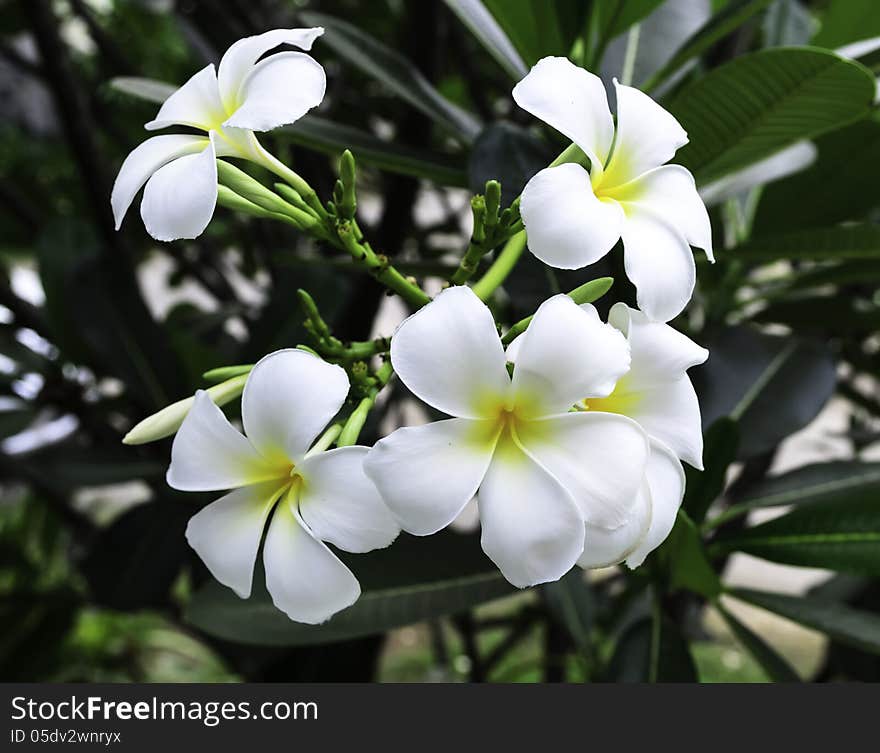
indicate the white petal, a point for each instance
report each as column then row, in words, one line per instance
column 670, row 192
column 208, row 454
column 567, row 226
column 196, row 104
column 304, row 578
column 531, row 527
column 427, row 474
column 468, row 519
column 571, row 100
column 341, row 505
column 279, row 90
column 565, row 355
column 604, row 547
column 450, row 356
column 143, row 162
column 289, row 397
column 226, row 534
column 598, row 457
column 659, row 262
column 180, row 197
column 670, row 412
column 666, row 482
column 241, row 57
column 647, row 136
column 659, row 352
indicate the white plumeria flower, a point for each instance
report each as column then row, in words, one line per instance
column 228, row 104
column 290, row 396
column 573, row 218
column 542, row 472
column 657, row 393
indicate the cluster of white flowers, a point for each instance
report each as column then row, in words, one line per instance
column 571, row 439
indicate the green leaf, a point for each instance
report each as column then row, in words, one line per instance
column 775, row 667
column 821, row 244
column 824, row 315
column 859, row 271
column 661, row 33
column 481, row 23
column 613, row 17
column 720, row 445
column 734, row 14
column 394, row 71
column 684, row 558
column 652, row 651
column 846, row 21
column 839, row 482
column 840, row 185
column 759, row 103
column 850, row 626
column 773, row 385
column 324, row 135
column 538, row 28
column 148, row 89
column 787, row 23
column 836, row 535
column 507, row 153
column 413, row 580
column 572, row 603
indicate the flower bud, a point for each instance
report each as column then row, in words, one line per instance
column 168, row 420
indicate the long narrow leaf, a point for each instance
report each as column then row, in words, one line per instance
column 394, row 71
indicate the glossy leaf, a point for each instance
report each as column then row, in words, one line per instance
column 844, row 21
column 394, row 71
column 824, row 315
column 507, row 153
column 572, row 603
column 759, row 103
column 538, row 28
column 684, row 558
column 822, row 244
column 322, row 135
column 731, row 17
column 839, row 482
column 661, row 34
column 852, row 627
column 776, row 668
column 650, row 651
column 841, row 535
column 413, row 580
column 482, row 24
column 773, row 385
column 840, row 185
column 614, row 17
column 720, row 446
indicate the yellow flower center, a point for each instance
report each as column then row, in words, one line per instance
column 622, row 400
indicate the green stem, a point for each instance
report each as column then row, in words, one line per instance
column 379, row 266
column 355, row 423
column 501, row 267
column 326, row 439
column 296, row 181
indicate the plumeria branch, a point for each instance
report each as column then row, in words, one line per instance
column 491, row 229
column 332, row 348
column 374, row 384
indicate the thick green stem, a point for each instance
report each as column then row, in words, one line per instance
column 501, row 267
column 379, row 266
column 352, row 429
column 275, row 165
